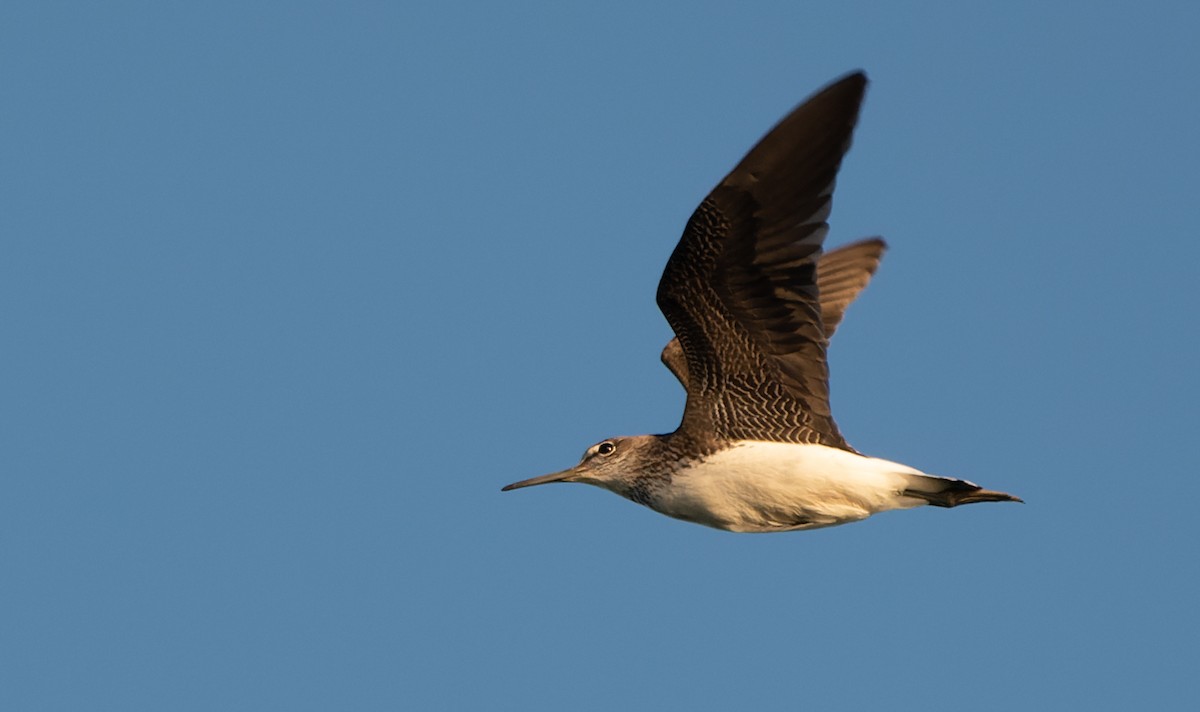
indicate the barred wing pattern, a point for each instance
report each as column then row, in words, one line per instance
column 740, row 290
column 842, row 273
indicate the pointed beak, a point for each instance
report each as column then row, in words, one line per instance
column 564, row 476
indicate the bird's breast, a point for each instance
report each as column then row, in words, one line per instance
column 758, row 486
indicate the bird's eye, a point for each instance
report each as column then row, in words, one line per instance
column 606, row 448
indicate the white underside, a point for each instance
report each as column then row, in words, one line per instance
column 768, row 486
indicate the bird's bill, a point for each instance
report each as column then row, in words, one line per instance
column 564, row 476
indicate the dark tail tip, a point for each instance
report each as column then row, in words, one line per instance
column 982, row 495
column 956, row 492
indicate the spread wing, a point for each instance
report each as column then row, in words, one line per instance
column 740, row 289
column 842, row 274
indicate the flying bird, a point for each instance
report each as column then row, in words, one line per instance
column 753, row 303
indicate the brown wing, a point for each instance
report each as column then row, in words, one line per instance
column 740, row 288
column 842, row 274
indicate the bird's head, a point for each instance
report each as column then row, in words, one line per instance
column 612, row 464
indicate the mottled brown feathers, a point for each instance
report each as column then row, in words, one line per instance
column 842, row 273
column 740, row 290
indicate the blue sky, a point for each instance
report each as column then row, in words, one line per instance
column 289, row 290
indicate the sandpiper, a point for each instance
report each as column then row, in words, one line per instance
column 753, row 303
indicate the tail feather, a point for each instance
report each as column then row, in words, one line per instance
column 949, row 492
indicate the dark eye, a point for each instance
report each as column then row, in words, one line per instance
column 606, row 448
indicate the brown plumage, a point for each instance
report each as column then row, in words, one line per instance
column 740, row 289
column 841, row 274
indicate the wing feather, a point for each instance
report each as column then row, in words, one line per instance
column 740, row 289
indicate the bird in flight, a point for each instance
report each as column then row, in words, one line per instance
column 753, row 303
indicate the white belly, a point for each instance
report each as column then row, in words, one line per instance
column 767, row 486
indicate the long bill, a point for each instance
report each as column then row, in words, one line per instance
column 564, row 476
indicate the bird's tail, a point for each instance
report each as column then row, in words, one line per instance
column 949, row 492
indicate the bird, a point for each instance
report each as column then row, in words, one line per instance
column 753, row 302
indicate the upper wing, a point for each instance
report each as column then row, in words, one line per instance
column 842, row 273
column 740, row 289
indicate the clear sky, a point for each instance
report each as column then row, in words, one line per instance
column 289, row 290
